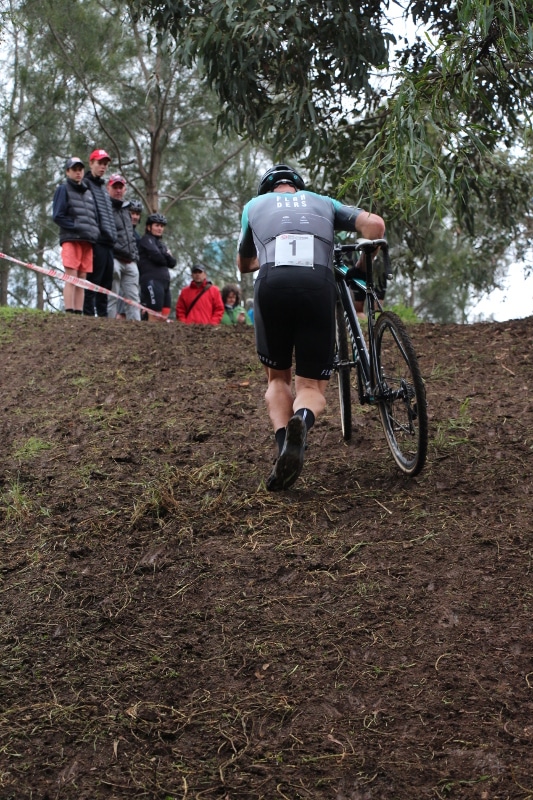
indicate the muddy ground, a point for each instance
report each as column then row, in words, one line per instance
column 170, row 630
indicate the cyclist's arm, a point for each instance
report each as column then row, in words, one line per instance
column 247, row 260
column 370, row 226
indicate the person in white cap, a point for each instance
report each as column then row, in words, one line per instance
column 74, row 210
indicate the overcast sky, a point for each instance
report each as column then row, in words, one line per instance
column 513, row 301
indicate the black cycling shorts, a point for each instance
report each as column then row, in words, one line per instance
column 155, row 295
column 294, row 310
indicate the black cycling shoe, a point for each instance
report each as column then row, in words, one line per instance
column 291, row 459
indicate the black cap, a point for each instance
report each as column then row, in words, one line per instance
column 197, row 268
column 71, row 162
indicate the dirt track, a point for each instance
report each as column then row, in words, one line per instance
column 169, row 629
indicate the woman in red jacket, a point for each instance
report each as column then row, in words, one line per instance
column 200, row 303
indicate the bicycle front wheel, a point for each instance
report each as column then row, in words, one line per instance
column 343, row 372
column 400, row 394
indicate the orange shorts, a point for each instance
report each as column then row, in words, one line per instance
column 77, row 255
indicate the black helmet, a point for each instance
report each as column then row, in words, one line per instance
column 279, row 174
column 136, row 205
column 156, row 218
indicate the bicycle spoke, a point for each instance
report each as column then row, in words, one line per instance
column 400, row 395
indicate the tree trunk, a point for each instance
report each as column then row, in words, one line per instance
column 12, row 124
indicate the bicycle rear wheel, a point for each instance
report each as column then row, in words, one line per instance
column 343, row 372
column 401, row 396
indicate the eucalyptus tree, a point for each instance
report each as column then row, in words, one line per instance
column 16, row 58
column 85, row 75
column 430, row 137
column 37, row 114
column 442, row 264
column 302, row 77
column 156, row 118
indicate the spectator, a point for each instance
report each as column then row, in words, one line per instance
column 200, row 303
column 74, row 210
column 135, row 208
column 155, row 260
column 103, row 249
column 250, row 309
column 125, row 254
column 234, row 313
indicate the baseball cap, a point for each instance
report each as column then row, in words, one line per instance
column 99, row 155
column 70, row 162
column 116, row 179
column 197, row 268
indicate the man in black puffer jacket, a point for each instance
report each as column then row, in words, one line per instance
column 103, row 249
column 125, row 270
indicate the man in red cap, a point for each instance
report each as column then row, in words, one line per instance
column 103, row 249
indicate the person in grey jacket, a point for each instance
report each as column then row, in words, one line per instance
column 74, row 210
column 125, row 255
column 103, row 249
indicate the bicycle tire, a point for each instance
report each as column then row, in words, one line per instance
column 401, row 395
column 343, row 372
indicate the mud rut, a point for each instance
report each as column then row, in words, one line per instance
column 170, row 630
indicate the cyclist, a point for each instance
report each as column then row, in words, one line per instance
column 288, row 234
column 155, row 260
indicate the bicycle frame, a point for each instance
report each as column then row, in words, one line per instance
column 388, row 373
column 366, row 361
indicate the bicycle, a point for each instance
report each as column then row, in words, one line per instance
column 388, row 374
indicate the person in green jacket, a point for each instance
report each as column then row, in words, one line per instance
column 234, row 312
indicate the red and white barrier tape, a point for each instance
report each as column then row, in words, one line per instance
column 54, row 273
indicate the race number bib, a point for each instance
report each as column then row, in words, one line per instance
column 294, row 250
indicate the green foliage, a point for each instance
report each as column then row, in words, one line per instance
column 189, row 114
column 14, row 503
column 30, row 448
column 438, row 275
column 95, row 79
column 8, row 313
column 300, row 78
column 454, row 431
column 280, row 70
column 434, row 146
column 406, row 313
column 441, row 134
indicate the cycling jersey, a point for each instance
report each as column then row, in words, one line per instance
column 292, row 235
column 293, row 229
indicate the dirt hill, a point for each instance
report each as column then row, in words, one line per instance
column 170, row 630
